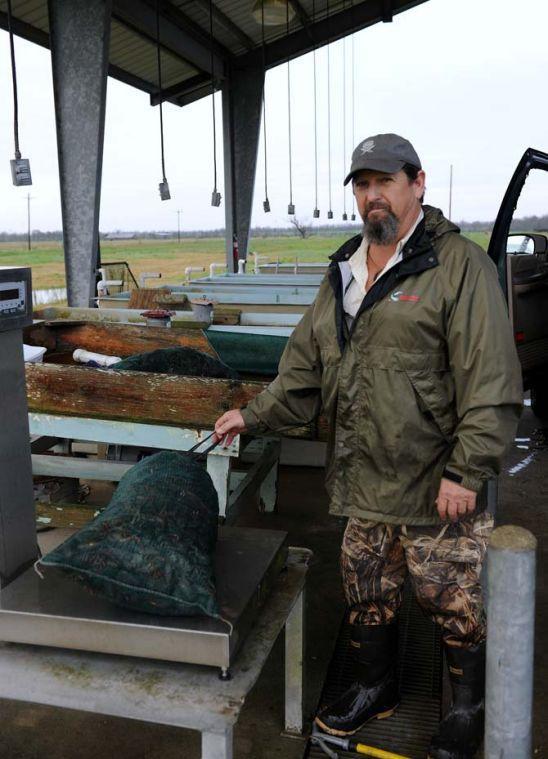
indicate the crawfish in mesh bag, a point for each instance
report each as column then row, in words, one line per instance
column 152, row 548
column 181, row 361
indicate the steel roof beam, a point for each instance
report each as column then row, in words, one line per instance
column 199, row 82
column 228, row 24
column 326, row 30
column 175, row 33
column 181, row 20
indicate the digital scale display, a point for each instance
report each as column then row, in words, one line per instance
column 9, row 294
column 15, row 297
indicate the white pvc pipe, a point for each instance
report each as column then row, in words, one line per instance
column 82, row 356
column 190, row 269
column 213, row 268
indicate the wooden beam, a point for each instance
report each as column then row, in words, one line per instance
column 193, row 402
column 53, row 315
column 115, row 339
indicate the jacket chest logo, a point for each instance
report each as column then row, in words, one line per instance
column 398, row 295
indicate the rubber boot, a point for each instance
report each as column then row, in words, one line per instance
column 374, row 694
column 461, row 731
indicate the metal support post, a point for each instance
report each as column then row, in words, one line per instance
column 294, row 667
column 269, row 489
column 492, row 495
column 18, row 546
column 79, row 40
column 242, row 108
column 218, row 468
column 217, row 745
column 510, row 643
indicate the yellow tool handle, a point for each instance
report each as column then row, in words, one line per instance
column 361, row 748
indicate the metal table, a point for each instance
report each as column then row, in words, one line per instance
column 180, row 695
column 57, row 611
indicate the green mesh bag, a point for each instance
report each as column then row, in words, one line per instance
column 249, row 353
column 183, row 361
column 152, row 548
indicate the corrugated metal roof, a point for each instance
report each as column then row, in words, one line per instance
column 137, row 55
column 185, row 36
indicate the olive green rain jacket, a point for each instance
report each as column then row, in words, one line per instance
column 425, row 384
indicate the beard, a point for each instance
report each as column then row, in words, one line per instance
column 381, row 231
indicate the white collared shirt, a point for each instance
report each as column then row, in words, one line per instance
column 356, row 289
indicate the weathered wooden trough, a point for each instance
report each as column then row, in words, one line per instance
column 146, row 410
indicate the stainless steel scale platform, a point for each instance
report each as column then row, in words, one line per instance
column 58, row 611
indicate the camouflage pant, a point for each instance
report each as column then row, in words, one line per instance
column 444, row 563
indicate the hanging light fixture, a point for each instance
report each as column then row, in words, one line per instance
column 291, row 205
column 215, row 195
column 330, row 211
column 353, row 215
column 345, row 215
column 316, row 212
column 20, row 167
column 275, row 12
column 266, row 202
column 163, row 187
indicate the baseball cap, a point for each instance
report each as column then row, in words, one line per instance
column 383, row 152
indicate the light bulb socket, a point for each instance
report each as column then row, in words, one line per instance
column 316, row 213
column 291, row 209
column 215, row 198
column 20, row 171
column 163, row 187
column 330, row 214
column 353, row 217
column 266, row 205
column 345, row 216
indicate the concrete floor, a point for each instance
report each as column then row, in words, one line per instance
column 36, row 732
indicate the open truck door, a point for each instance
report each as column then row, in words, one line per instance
column 522, row 264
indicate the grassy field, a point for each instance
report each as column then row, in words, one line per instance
column 171, row 257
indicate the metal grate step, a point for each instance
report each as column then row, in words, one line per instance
column 409, row 730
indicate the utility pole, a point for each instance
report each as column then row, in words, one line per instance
column 178, row 225
column 450, row 189
column 28, row 220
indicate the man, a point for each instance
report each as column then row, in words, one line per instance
column 408, row 349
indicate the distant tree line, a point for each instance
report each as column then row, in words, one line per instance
column 526, row 223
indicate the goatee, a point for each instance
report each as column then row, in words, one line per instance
column 382, row 231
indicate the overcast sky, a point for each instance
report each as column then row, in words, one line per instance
column 464, row 80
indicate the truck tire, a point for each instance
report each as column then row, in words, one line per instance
column 539, row 400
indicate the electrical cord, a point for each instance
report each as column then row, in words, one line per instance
column 330, row 212
column 345, row 215
column 266, row 202
column 14, row 81
column 316, row 210
column 213, row 99
column 353, row 217
column 291, row 208
column 159, row 61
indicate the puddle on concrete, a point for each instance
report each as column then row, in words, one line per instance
column 536, row 443
column 539, row 439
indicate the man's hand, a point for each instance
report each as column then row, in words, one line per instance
column 454, row 501
column 229, row 425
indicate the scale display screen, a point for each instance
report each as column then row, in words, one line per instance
column 15, row 297
column 9, row 294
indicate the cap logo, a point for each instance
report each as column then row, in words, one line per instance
column 367, row 146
